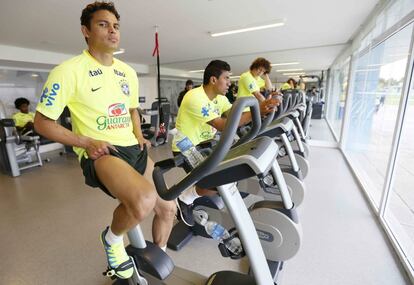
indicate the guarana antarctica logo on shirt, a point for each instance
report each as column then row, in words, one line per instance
column 116, row 110
column 118, row 118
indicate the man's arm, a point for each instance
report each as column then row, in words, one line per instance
column 55, row 132
column 268, row 82
column 259, row 96
column 220, row 123
column 266, row 107
column 136, row 123
column 268, row 86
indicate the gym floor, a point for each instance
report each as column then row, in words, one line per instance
column 51, row 222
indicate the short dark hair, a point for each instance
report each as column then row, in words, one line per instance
column 90, row 9
column 20, row 101
column 215, row 68
column 261, row 62
column 189, row 82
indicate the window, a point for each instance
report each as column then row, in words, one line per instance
column 378, row 79
column 399, row 213
column 336, row 108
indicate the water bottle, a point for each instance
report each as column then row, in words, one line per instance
column 186, row 147
column 200, row 217
column 218, row 232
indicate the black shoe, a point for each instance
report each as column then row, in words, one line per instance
column 186, row 212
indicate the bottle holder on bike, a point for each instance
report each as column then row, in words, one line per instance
column 223, row 249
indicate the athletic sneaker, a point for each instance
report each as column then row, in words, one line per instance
column 119, row 263
column 186, row 212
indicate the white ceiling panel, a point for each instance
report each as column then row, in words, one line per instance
column 321, row 27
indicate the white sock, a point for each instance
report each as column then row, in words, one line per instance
column 112, row 238
column 189, row 195
column 164, row 248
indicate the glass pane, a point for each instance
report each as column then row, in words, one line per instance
column 397, row 11
column 337, row 99
column 399, row 213
column 377, row 87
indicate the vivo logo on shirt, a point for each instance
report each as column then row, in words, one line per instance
column 50, row 96
column 95, row 72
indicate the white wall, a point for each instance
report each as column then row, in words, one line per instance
column 18, row 55
column 147, row 89
column 22, row 60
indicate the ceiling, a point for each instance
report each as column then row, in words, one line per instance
column 314, row 34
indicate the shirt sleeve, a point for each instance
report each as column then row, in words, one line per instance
column 250, row 84
column 57, row 91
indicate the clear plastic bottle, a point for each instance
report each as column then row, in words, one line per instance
column 186, row 147
column 218, row 232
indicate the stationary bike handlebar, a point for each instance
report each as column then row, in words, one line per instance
column 267, row 120
column 217, row 155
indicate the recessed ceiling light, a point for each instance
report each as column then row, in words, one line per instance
column 121, row 50
column 35, row 75
column 196, row 71
column 287, row 70
column 250, row 29
column 284, row 63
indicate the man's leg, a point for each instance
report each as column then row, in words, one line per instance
column 164, row 213
column 137, row 198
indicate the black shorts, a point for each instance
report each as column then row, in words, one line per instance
column 133, row 155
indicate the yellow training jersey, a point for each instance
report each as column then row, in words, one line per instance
column 248, row 85
column 285, row 86
column 195, row 111
column 21, row 119
column 260, row 82
column 99, row 98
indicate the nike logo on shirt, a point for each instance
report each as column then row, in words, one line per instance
column 95, row 89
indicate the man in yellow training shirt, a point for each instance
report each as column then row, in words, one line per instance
column 289, row 84
column 203, row 111
column 24, row 118
column 101, row 93
column 251, row 81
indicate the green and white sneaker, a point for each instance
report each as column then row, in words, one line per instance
column 119, row 263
